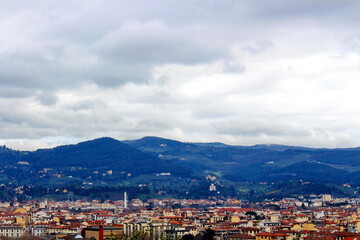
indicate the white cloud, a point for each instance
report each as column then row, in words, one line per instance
column 243, row 72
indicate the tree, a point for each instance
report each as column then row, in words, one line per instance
column 188, row 237
column 209, row 235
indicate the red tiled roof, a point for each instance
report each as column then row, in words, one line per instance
column 272, row 234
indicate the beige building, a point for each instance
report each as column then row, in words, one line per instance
column 13, row 231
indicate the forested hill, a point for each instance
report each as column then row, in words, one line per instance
column 100, row 154
column 158, row 165
column 259, row 162
column 99, row 160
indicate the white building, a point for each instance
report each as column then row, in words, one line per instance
column 13, row 231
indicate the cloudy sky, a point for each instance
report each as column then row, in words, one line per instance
column 237, row 71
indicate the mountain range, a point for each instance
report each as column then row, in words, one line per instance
column 164, row 165
column 259, row 162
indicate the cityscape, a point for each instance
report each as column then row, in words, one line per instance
column 108, row 199
column 180, row 120
column 313, row 217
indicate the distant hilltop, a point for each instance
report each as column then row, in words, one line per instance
column 155, row 164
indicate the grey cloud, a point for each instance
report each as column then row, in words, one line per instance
column 85, row 105
column 121, row 48
column 258, row 47
column 282, row 9
column 52, row 51
column 15, row 92
column 127, row 53
column 47, row 98
column 258, row 128
column 135, row 48
column 152, row 125
column 36, row 71
column 233, row 66
column 17, row 69
column 352, row 45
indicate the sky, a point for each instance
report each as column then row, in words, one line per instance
column 242, row 72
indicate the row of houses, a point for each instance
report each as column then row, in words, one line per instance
column 269, row 220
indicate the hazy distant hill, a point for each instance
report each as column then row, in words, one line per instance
column 309, row 170
column 103, row 160
column 8, row 156
column 154, row 155
column 259, row 162
column 102, row 153
column 155, row 143
column 139, row 164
